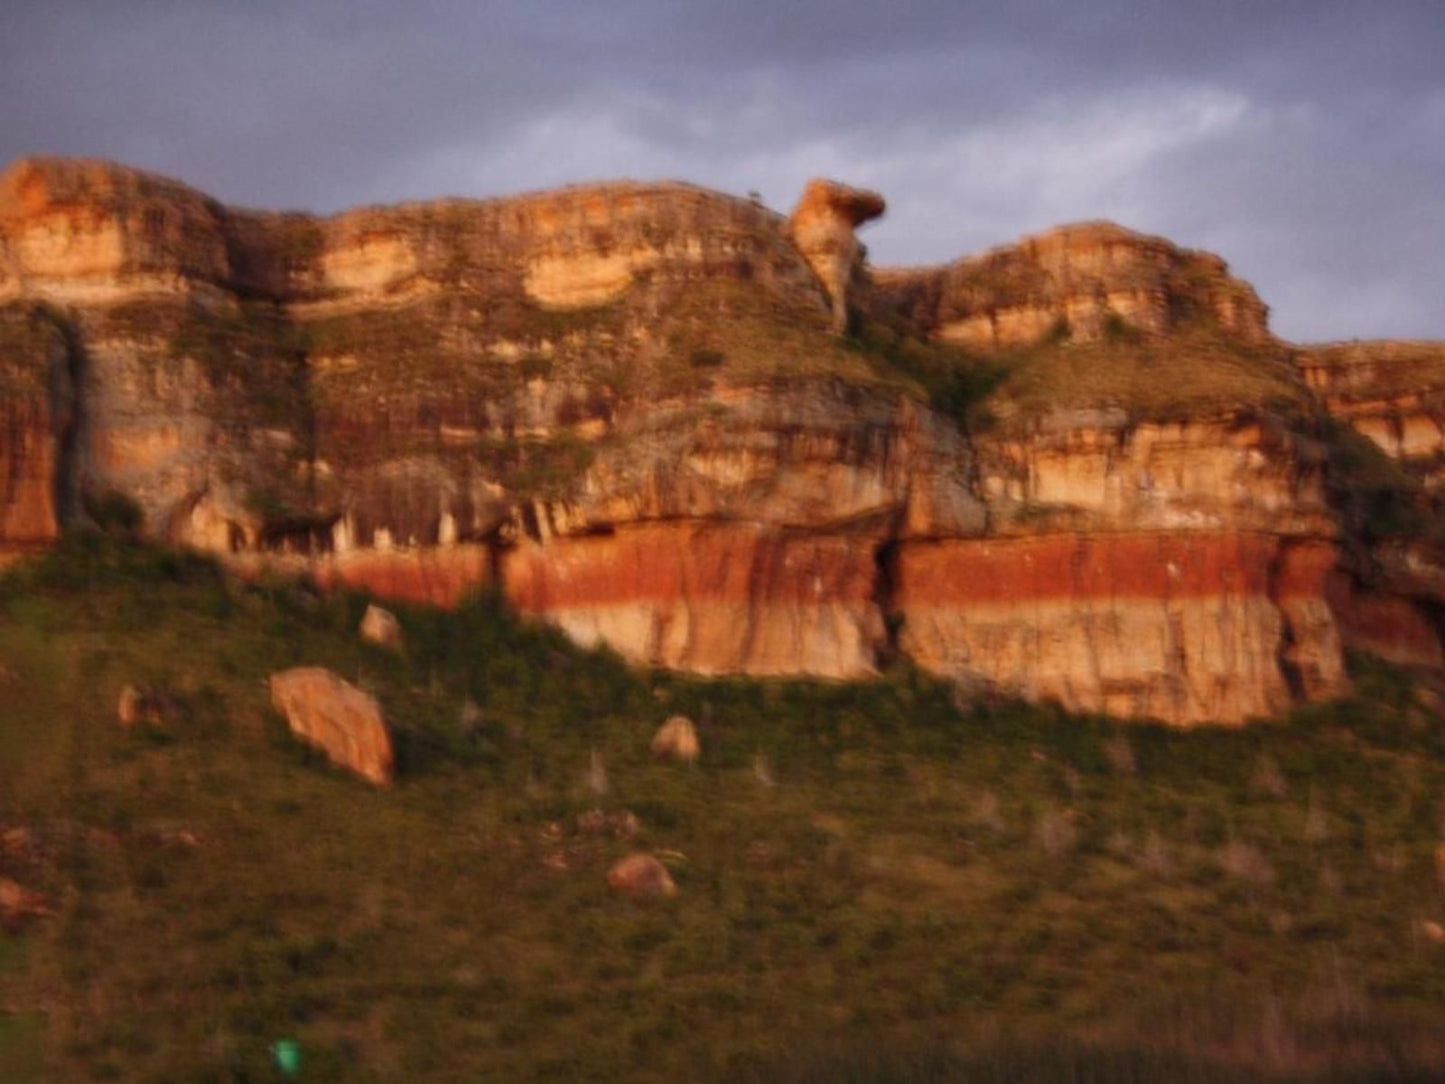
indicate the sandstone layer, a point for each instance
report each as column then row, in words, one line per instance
column 677, row 423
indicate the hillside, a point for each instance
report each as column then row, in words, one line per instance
column 880, row 879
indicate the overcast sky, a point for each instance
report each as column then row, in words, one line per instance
column 1303, row 141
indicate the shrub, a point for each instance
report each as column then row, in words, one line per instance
column 114, row 512
column 703, row 358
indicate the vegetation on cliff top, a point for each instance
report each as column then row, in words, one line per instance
column 1197, row 370
column 875, row 879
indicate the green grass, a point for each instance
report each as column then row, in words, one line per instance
column 1197, row 369
column 21, row 1045
column 927, row 890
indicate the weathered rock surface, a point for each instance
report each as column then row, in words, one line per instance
column 336, row 717
column 1078, row 467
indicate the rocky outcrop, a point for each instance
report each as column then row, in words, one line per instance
column 823, row 225
column 1082, row 280
column 1188, row 626
column 1078, row 467
column 1392, row 392
column 338, row 718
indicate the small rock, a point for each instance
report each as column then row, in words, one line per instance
column 592, row 823
column 379, row 626
column 471, row 715
column 623, row 824
column 641, row 875
column 128, row 710
column 338, row 718
column 597, row 774
column 153, row 707
column 17, row 842
column 762, row 773
column 18, row 903
column 1430, row 699
column 676, row 739
column 555, row 860
column 1433, row 932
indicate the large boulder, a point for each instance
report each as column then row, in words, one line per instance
column 338, row 718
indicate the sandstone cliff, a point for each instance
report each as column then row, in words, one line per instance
column 1078, row 468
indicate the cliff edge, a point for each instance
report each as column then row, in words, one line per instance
column 1078, row 468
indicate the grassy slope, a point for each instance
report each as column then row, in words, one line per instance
column 917, row 877
column 1195, row 371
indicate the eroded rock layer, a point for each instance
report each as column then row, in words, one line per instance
column 1187, row 626
column 677, row 423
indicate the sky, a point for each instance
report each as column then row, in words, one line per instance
column 1302, row 141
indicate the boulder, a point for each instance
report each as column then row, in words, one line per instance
column 641, row 875
column 677, row 740
column 380, row 626
column 336, row 717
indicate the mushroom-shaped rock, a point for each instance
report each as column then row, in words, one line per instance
column 380, row 626
column 338, row 718
column 640, row 875
column 676, row 739
column 822, row 226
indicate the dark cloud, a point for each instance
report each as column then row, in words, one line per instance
column 1304, row 141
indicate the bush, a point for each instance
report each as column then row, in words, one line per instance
column 114, row 512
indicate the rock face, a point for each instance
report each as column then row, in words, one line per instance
column 1077, row 468
column 338, row 718
column 1084, row 278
